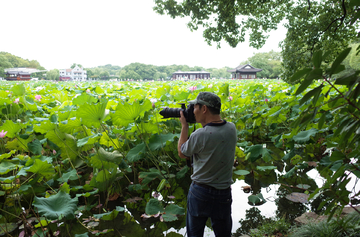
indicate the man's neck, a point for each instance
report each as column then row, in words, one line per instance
column 212, row 119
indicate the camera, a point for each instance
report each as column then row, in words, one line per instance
column 175, row 112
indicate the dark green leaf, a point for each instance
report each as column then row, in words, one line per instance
column 241, row 172
column 299, row 74
column 56, row 206
column 321, row 120
column 310, row 94
column 303, row 86
column 304, row 136
column 154, row 207
column 35, row 147
column 339, row 60
column 317, row 59
column 136, row 153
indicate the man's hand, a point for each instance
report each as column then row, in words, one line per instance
column 183, row 135
column 183, row 120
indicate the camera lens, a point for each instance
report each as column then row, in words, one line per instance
column 171, row 112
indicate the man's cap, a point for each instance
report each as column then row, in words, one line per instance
column 207, row 98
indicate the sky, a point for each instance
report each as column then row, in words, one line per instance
column 118, row 32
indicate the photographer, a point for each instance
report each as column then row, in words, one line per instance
column 212, row 149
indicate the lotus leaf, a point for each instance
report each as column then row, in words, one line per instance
column 110, row 215
column 92, row 115
column 56, row 206
column 153, row 207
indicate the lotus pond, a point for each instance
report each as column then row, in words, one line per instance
column 96, row 158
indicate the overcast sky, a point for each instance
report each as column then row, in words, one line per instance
column 118, row 32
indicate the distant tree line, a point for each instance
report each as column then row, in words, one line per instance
column 270, row 63
column 137, row 71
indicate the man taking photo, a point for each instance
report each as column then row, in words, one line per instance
column 212, row 149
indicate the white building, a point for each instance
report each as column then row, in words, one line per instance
column 76, row 74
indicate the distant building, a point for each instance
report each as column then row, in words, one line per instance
column 191, row 75
column 76, row 74
column 244, row 72
column 20, row 73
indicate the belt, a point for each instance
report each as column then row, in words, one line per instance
column 208, row 186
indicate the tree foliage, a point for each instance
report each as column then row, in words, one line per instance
column 312, row 25
column 52, row 74
column 269, row 62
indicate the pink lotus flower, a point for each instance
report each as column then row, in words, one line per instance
column 88, row 91
column 2, row 134
column 210, row 86
column 38, row 97
column 54, row 152
column 192, row 88
column 17, row 100
column 230, row 98
column 266, row 100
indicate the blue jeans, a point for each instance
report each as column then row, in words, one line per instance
column 202, row 203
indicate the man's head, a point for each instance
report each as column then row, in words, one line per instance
column 211, row 100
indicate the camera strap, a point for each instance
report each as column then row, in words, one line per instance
column 190, row 161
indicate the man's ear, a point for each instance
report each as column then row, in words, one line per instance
column 205, row 108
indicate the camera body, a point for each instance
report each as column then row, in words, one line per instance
column 175, row 112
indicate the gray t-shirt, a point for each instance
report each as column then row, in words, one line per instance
column 213, row 151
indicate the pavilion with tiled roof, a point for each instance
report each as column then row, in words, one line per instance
column 244, row 72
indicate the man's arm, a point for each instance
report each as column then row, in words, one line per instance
column 183, row 135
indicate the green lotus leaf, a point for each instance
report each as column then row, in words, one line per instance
column 18, row 144
column 304, row 136
column 11, row 128
column 35, row 147
column 65, row 141
column 56, row 206
column 150, row 176
column 182, row 96
column 71, row 125
column 42, row 168
column 106, row 176
column 18, row 89
column 84, row 98
column 7, row 180
column 136, row 153
column 110, row 142
column 82, row 235
column 92, row 115
column 113, row 157
column 224, row 91
column 127, row 113
column 241, row 172
column 149, row 127
column 256, row 199
column 110, row 215
column 71, row 175
column 154, row 207
column 29, row 103
column 5, row 98
column 181, row 174
column 172, row 211
column 7, row 155
column 89, row 140
column 44, row 127
column 6, row 228
column 263, row 168
column 159, row 141
column 87, row 194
